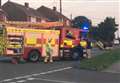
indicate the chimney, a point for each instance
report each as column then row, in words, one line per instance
column 26, row 4
column 54, row 8
column 0, row 3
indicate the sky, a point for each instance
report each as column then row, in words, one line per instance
column 96, row 10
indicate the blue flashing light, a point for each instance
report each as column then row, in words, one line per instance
column 85, row 26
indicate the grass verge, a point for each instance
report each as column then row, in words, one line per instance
column 102, row 61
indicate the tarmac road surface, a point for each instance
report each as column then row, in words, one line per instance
column 57, row 72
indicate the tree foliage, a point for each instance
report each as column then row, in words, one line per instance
column 79, row 21
column 105, row 30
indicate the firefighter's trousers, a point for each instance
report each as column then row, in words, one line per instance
column 48, row 57
column 89, row 55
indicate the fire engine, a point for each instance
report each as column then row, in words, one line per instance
column 28, row 40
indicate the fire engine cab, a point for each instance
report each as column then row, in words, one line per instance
column 28, row 40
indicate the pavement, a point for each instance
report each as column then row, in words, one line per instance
column 97, row 51
column 115, row 68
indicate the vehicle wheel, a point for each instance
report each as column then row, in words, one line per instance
column 75, row 56
column 34, row 56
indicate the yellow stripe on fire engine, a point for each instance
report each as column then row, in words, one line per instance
column 53, row 42
column 31, row 41
column 38, row 45
column 61, row 45
column 73, row 46
column 83, row 43
column 14, row 46
column 68, row 42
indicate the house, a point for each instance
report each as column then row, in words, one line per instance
column 2, row 15
column 53, row 15
column 17, row 12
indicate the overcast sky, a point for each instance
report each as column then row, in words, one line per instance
column 96, row 10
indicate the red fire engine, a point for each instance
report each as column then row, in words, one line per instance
column 27, row 40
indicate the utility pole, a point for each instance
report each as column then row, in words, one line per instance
column 61, row 19
column 71, row 17
column 61, row 6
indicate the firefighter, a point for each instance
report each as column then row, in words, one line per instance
column 69, row 34
column 49, row 51
column 79, row 49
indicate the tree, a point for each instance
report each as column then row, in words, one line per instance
column 93, row 33
column 105, row 30
column 81, row 22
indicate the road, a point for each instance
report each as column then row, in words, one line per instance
column 57, row 72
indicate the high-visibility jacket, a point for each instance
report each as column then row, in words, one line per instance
column 48, row 48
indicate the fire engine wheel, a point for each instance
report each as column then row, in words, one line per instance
column 34, row 56
column 75, row 56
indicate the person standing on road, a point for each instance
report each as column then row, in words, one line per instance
column 49, row 51
column 79, row 49
column 88, row 49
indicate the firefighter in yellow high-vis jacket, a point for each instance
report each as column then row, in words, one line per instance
column 48, row 51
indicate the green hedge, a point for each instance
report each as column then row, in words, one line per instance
column 102, row 61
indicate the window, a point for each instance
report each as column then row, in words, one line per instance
column 69, row 35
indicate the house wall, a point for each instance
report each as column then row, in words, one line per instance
column 31, row 19
column 68, row 23
column 38, row 19
column 2, row 17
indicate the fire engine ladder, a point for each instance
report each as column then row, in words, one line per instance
column 36, row 25
column 2, row 45
column 15, row 44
